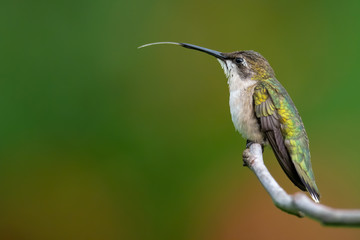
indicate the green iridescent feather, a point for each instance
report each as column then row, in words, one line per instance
column 286, row 134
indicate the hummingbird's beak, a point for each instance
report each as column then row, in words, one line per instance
column 218, row 55
column 214, row 53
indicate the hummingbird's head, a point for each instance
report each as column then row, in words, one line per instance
column 247, row 65
column 243, row 65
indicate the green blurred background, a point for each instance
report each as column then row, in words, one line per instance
column 100, row 140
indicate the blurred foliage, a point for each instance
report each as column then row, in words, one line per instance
column 100, row 140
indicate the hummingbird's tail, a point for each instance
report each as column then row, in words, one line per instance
column 314, row 192
column 309, row 183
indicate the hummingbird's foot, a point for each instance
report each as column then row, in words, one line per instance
column 246, row 157
column 248, row 144
column 247, row 154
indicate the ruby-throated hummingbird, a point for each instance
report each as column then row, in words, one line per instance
column 263, row 112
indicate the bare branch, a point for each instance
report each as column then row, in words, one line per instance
column 298, row 204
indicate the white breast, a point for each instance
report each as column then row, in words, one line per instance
column 242, row 114
column 241, row 105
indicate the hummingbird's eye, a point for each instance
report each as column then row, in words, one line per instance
column 239, row 60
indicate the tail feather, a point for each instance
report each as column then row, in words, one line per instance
column 314, row 192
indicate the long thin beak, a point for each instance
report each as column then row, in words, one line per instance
column 214, row 53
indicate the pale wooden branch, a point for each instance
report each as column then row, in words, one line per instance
column 298, row 204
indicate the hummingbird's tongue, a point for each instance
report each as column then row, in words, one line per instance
column 214, row 53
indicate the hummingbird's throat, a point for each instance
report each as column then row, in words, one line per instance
column 231, row 72
column 226, row 66
column 235, row 79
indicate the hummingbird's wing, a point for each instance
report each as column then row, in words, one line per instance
column 269, row 120
column 285, row 132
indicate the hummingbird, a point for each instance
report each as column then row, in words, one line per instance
column 263, row 112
